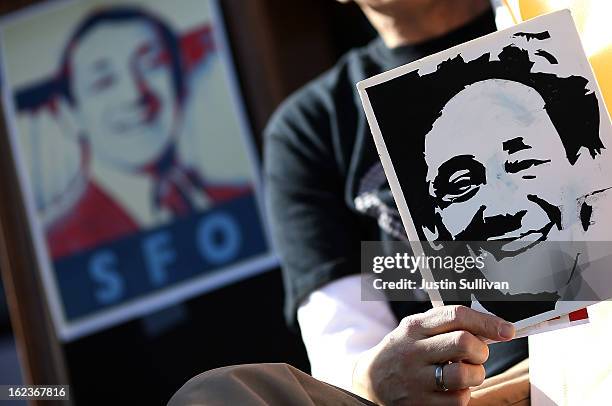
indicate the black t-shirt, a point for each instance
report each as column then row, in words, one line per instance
column 325, row 187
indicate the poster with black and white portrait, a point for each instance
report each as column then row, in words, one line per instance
column 501, row 148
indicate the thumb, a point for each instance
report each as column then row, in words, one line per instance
column 444, row 319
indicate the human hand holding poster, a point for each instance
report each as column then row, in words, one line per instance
column 496, row 150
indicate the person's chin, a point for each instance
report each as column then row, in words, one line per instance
column 135, row 158
column 146, row 150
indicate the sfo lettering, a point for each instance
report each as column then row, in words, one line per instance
column 217, row 240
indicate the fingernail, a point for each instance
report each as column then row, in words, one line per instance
column 506, row 331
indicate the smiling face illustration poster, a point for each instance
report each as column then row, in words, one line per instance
column 133, row 151
column 500, row 148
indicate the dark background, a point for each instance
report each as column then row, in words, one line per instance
column 278, row 45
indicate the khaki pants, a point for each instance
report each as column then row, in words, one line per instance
column 282, row 384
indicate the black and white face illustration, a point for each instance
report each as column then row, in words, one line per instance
column 498, row 148
column 493, row 162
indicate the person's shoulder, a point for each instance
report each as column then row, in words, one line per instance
column 313, row 105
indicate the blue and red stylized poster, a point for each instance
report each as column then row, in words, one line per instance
column 134, row 156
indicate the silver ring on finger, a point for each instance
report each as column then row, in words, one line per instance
column 439, row 375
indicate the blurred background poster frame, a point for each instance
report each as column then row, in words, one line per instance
column 134, row 157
